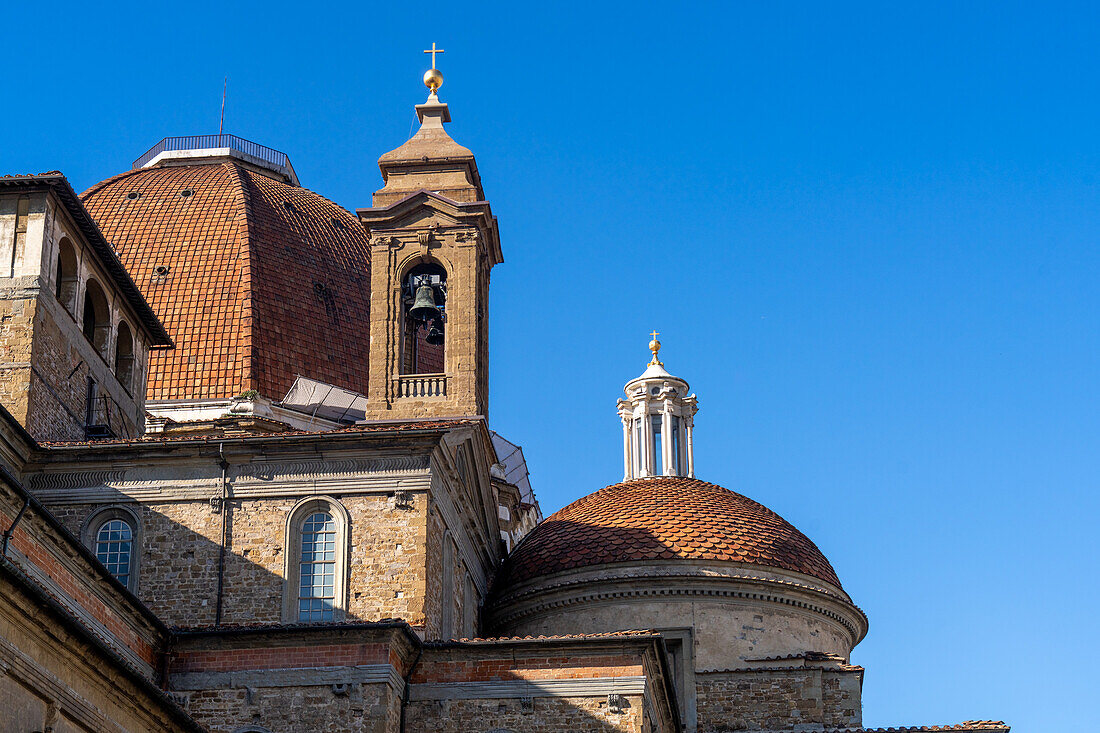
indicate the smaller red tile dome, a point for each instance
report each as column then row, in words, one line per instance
column 663, row 518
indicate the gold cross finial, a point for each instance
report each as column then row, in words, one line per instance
column 433, row 51
column 655, row 346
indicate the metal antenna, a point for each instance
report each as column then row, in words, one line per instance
column 225, row 88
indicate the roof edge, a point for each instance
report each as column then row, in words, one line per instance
column 57, row 183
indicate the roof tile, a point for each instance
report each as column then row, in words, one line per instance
column 663, row 518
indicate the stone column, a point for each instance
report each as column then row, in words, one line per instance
column 666, row 440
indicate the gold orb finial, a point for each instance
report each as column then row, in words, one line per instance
column 433, row 78
column 655, row 346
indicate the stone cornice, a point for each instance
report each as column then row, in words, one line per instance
column 568, row 591
column 253, row 479
column 495, row 689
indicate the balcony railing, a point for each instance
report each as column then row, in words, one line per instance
column 203, row 142
column 421, row 385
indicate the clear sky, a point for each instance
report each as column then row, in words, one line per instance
column 867, row 234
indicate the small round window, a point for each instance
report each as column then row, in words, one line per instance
column 187, row 193
column 133, row 195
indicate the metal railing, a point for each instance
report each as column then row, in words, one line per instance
column 421, row 385
column 202, row 142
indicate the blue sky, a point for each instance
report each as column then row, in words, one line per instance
column 866, row 232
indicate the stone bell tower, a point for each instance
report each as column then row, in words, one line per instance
column 433, row 242
column 658, row 419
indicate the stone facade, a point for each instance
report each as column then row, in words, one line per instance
column 346, row 679
column 609, row 683
column 402, row 510
column 798, row 697
column 725, row 616
column 77, row 652
column 60, row 373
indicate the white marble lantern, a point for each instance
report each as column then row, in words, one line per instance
column 657, row 416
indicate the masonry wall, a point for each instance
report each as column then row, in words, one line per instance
column 180, row 546
column 16, row 339
column 76, row 651
column 778, row 699
column 63, row 360
column 45, row 359
column 539, row 715
column 726, row 633
column 361, row 709
column 334, row 680
column 51, row 679
column 555, row 685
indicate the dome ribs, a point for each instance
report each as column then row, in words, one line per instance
column 255, row 293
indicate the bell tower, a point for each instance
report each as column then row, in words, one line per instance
column 658, row 419
column 433, row 241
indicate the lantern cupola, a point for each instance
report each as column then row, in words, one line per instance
column 657, row 414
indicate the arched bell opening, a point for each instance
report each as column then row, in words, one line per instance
column 424, row 316
column 67, row 278
column 124, row 356
column 97, row 317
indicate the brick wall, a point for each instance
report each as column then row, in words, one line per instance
column 289, row 680
column 46, row 556
column 777, row 699
column 362, row 709
column 539, row 715
column 63, row 360
column 573, row 684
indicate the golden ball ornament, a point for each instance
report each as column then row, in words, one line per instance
column 433, row 79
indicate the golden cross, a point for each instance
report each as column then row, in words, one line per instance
column 433, row 51
column 655, row 334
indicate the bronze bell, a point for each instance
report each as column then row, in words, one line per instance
column 423, row 307
column 435, row 334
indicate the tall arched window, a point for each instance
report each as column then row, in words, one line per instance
column 97, row 317
column 317, row 568
column 316, row 562
column 67, row 278
column 114, row 545
column 424, row 300
column 447, row 615
column 113, row 534
column 124, row 356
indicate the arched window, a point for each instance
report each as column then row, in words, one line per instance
column 424, row 301
column 97, row 317
column 317, row 568
column 469, row 609
column 113, row 534
column 66, row 279
column 316, row 562
column 447, row 615
column 124, row 356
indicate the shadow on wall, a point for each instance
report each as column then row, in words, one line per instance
column 185, row 575
column 178, row 578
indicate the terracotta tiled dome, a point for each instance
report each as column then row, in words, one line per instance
column 664, row 518
column 264, row 279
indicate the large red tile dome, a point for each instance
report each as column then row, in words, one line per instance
column 664, row 518
column 255, row 278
